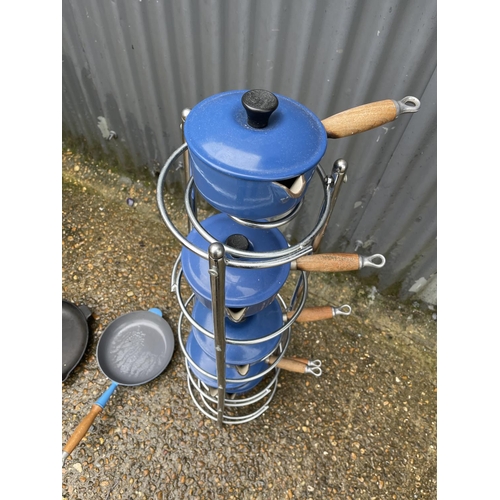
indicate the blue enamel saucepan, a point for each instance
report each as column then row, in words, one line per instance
column 253, row 153
column 250, row 330
column 207, row 363
column 250, row 290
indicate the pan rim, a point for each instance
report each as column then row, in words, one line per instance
column 76, row 312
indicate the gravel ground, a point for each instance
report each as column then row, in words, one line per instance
column 364, row 429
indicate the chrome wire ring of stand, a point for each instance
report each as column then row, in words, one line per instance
column 284, row 219
column 231, row 401
column 176, row 287
column 267, row 259
column 263, row 396
column 209, row 411
column 286, row 339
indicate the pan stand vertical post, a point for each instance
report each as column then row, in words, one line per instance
column 187, row 170
column 217, row 271
column 336, row 180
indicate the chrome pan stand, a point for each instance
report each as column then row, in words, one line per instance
column 214, row 401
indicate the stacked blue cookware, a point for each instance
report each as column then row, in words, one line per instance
column 252, row 155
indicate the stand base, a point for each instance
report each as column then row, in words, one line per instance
column 238, row 408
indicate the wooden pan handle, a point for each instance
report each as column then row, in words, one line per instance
column 288, row 364
column 368, row 116
column 82, row 429
column 305, row 361
column 312, row 314
column 297, row 365
column 336, row 262
column 327, row 262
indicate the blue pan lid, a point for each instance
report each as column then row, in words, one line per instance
column 244, row 287
column 259, row 325
column 255, row 135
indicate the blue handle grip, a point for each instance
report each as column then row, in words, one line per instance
column 107, row 394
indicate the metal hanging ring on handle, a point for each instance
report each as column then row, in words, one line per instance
column 314, row 370
column 344, row 310
column 370, row 261
column 315, row 362
column 408, row 104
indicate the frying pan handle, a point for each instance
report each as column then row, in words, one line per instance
column 87, row 421
column 368, row 116
column 156, row 311
column 107, row 394
column 80, row 431
column 85, row 310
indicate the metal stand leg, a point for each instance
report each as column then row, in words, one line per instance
column 339, row 170
column 187, row 170
column 217, row 270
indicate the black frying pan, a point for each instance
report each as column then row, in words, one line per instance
column 133, row 350
column 75, row 335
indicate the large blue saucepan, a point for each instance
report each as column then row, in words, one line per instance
column 253, row 153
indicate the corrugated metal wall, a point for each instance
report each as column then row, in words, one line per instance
column 132, row 66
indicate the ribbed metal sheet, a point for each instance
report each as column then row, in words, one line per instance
column 132, row 66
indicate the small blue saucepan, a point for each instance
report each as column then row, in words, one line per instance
column 257, row 326
column 208, row 364
column 248, row 290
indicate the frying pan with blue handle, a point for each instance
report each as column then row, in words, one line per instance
column 133, row 350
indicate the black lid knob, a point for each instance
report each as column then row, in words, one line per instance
column 259, row 105
column 238, row 241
